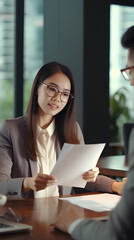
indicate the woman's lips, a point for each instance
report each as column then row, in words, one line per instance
column 52, row 106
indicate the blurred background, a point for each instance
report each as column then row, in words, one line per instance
column 86, row 37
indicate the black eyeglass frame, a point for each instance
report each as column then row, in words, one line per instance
column 70, row 95
column 124, row 69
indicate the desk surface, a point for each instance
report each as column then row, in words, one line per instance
column 40, row 213
column 113, row 165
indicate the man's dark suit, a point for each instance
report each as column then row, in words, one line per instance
column 120, row 226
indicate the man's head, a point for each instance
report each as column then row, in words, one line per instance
column 127, row 41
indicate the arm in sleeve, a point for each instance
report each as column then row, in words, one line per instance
column 93, row 229
column 102, row 184
column 8, row 185
column 11, row 187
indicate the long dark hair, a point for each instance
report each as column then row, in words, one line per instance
column 65, row 121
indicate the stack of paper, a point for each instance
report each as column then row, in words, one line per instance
column 96, row 202
column 73, row 161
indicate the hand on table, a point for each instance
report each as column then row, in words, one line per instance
column 39, row 182
column 66, row 217
column 117, row 187
column 91, row 175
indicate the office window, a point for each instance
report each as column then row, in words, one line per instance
column 7, row 33
column 33, row 43
column 33, row 50
column 121, row 18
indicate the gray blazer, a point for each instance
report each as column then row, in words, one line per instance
column 15, row 164
column 120, row 225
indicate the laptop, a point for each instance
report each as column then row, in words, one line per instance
column 7, row 227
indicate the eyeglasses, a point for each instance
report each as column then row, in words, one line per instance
column 126, row 73
column 53, row 91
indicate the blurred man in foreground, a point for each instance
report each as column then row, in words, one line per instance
column 121, row 221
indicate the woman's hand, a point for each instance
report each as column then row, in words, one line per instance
column 117, row 187
column 39, row 182
column 91, row 175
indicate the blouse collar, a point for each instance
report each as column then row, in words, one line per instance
column 49, row 130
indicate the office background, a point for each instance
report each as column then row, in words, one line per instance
column 75, row 33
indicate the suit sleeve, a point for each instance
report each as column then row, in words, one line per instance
column 102, row 184
column 10, row 186
column 120, row 224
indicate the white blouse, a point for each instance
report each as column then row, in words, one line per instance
column 47, row 158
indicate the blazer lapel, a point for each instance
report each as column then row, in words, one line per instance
column 33, row 165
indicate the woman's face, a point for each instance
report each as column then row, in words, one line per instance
column 48, row 105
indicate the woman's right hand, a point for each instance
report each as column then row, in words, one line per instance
column 39, row 182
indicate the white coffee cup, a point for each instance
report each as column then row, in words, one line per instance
column 3, row 199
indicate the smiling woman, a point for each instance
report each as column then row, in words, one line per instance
column 52, row 98
column 42, row 108
column 30, row 145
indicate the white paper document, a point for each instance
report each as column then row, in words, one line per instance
column 73, row 161
column 96, row 202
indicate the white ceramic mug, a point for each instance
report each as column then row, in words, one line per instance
column 3, row 199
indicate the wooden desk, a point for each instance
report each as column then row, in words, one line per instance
column 113, row 166
column 40, row 213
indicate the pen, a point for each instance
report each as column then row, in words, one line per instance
column 13, row 214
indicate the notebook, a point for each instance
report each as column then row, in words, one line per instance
column 7, row 227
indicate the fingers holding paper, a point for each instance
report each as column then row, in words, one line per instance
column 39, row 182
column 43, row 180
column 91, row 175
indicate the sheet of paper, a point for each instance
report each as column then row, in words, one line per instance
column 96, row 202
column 73, row 161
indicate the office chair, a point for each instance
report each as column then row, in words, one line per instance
column 127, row 127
